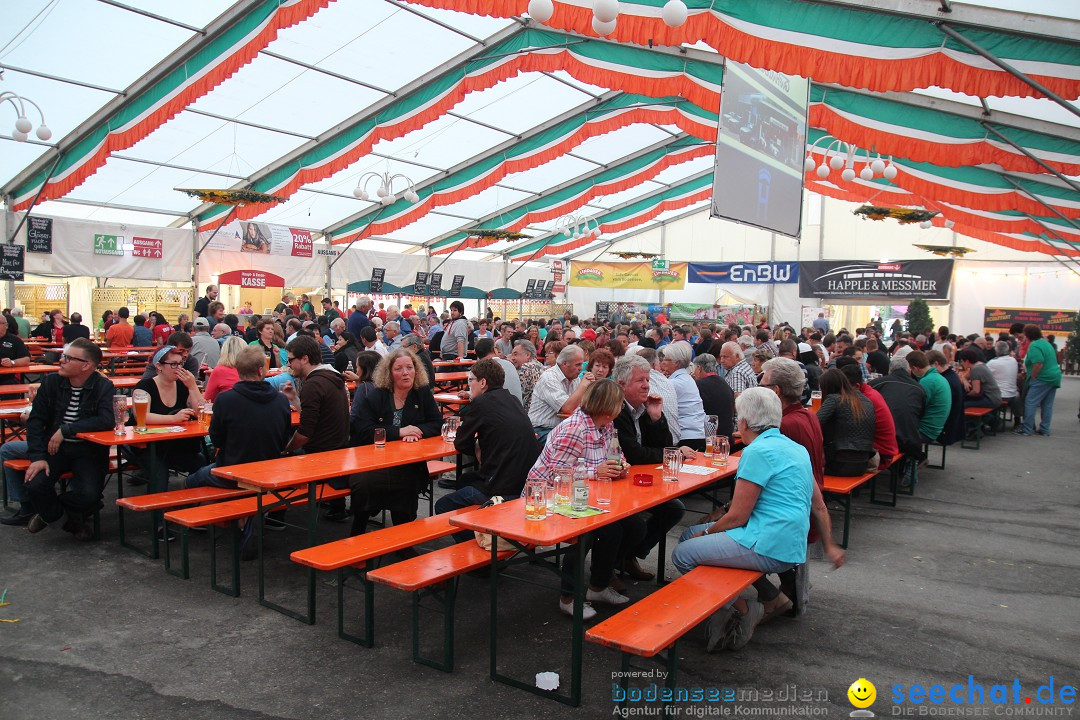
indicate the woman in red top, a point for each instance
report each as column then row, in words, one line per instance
column 161, row 329
column 58, row 324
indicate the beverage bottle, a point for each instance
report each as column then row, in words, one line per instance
column 579, row 492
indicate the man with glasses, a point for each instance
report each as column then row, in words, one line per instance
column 323, row 399
column 76, row 399
column 495, row 428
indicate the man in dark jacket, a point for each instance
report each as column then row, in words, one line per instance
column 324, row 400
column 643, row 435
column 494, row 422
column 906, row 399
column 716, row 395
column 75, row 399
column 75, row 329
column 251, row 422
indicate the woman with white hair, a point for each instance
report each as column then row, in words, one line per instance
column 765, row 526
column 674, row 361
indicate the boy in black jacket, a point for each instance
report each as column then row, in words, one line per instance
column 251, row 422
column 73, row 400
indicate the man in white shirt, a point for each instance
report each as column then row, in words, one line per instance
column 485, row 348
column 558, row 391
column 204, row 348
column 1004, row 368
column 371, row 341
column 660, row 385
column 392, row 333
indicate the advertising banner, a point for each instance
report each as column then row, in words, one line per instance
column 927, row 279
column 627, row 275
column 262, row 238
column 770, row 273
column 760, row 149
column 726, row 314
column 1053, row 322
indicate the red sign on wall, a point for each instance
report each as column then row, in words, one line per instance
column 301, row 243
column 256, row 279
column 146, row 247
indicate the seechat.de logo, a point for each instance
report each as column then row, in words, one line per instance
column 862, row 694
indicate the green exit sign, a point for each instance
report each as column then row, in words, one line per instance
column 108, row 245
column 659, row 264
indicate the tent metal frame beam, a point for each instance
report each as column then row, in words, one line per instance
column 171, row 166
column 654, row 225
column 247, row 123
column 119, row 206
column 57, row 78
column 572, row 181
column 975, row 47
column 487, row 154
column 220, row 24
column 153, row 16
column 1068, row 181
column 1018, row 23
column 374, row 109
column 440, row 23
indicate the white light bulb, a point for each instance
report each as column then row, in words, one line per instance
column 866, row 174
column 388, row 200
column 848, row 174
column 19, row 135
column 411, row 196
column 43, row 132
column 24, row 125
column 606, row 10
column 567, row 232
column 823, row 170
column 890, row 172
column 541, row 10
column 603, row 29
column 674, row 13
column 836, row 162
column 382, row 191
column 809, row 164
column 359, row 192
column 926, row 224
column 878, row 166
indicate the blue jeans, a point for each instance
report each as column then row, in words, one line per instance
column 17, row 492
column 204, row 478
column 466, row 496
column 1040, row 396
column 720, row 549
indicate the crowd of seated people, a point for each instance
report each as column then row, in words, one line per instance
column 804, row 403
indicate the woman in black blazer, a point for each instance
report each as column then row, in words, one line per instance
column 401, row 404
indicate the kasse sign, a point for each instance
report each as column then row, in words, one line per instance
column 927, row 279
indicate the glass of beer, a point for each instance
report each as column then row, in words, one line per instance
column 380, row 437
column 672, row 464
column 206, row 413
column 120, row 414
column 141, row 401
column 535, row 500
column 721, row 450
column 711, row 423
column 815, row 401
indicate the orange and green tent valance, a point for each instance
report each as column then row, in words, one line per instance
column 854, row 47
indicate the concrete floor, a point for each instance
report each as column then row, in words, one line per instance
column 976, row 575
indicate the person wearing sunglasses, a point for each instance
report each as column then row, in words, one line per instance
column 174, row 399
column 73, row 400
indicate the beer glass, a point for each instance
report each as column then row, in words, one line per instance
column 141, row 401
column 672, row 464
column 721, row 450
column 564, row 478
column 380, row 437
column 711, row 423
column 535, row 500
column 120, row 414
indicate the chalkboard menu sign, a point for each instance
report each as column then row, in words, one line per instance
column 435, row 284
column 39, row 234
column 420, row 286
column 530, row 288
column 455, row 286
column 550, row 289
column 603, row 310
column 11, row 262
column 378, row 275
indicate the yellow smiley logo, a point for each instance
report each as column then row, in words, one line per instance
column 862, row 693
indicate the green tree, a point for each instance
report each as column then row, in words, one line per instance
column 918, row 316
column 1072, row 345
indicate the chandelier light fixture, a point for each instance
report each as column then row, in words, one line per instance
column 23, row 125
column 385, row 191
column 840, row 155
column 578, row 227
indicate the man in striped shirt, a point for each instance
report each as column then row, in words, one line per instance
column 76, row 399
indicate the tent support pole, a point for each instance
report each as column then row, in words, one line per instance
column 1056, row 173
column 1008, row 68
column 772, row 286
column 1049, row 207
column 663, row 253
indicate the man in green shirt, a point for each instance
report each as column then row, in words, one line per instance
column 23, row 323
column 1044, row 378
column 938, row 395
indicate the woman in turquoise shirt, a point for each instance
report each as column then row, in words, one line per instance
column 1044, row 378
column 766, row 525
